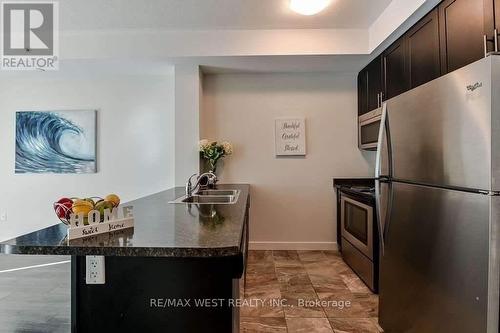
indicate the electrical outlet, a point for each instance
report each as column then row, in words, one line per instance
column 95, row 270
column 3, row 216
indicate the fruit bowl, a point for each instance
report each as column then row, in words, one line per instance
column 64, row 207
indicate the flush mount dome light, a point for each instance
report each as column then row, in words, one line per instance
column 308, row 7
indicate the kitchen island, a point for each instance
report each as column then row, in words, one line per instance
column 178, row 270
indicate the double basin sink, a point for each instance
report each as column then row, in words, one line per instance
column 210, row 197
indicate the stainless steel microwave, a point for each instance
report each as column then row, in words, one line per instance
column 369, row 125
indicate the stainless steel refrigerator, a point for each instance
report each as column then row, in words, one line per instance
column 438, row 201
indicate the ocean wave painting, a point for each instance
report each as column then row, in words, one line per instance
column 56, row 142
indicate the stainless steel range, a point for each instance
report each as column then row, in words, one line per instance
column 359, row 235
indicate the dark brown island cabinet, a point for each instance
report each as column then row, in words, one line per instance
column 454, row 34
column 180, row 269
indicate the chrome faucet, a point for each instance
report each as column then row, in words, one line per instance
column 211, row 180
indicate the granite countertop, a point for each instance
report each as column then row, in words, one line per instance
column 161, row 230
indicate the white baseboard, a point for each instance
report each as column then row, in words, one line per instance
column 294, row 246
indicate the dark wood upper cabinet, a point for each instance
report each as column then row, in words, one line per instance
column 463, row 25
column 454, row 34
column 423, row 59
column 395, row 73
column 370, row 87
column 374, row 71
column 362, row 92
column 495, row 7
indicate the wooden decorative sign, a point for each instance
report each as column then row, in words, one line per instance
column 290, row 137
column 94, row 223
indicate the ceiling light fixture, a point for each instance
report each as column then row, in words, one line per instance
column 308, row 7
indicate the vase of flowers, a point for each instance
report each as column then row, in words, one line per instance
column 212, row 151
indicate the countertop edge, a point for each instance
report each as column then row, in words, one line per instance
column 127, row 252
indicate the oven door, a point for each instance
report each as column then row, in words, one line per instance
column 357, row 224
column 369, row 125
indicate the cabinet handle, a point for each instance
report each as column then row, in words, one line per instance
column 485, row 42
column 496, row 40
column 378, row 100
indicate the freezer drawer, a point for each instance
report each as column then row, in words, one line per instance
column 364, row 267
column 434, row 273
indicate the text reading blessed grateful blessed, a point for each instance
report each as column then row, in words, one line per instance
column 290, row 137
column 291, row 133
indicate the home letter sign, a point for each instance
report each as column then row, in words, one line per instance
column 290, row 137
column 95, row 223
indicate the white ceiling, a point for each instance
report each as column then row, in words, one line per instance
column 77, row 15
column 74, row 69
column 143, row 36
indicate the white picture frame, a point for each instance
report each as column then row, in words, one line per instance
column 290, row 136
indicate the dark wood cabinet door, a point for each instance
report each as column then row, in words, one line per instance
column 374, row 70
column 494, row 7
column 463, row 25
column 423, row 60
column 362, row 92
column 395, row 74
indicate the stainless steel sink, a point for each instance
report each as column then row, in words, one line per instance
column 217, row 192
column 209, row 200
column 210, row 197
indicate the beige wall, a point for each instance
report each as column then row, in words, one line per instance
column 293, row 202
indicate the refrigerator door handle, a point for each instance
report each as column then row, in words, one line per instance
column 383, row 131
column 383, row 221
column 379, row 216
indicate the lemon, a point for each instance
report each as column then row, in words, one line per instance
column 82, row 206
column 90, row 200
column 114, row 199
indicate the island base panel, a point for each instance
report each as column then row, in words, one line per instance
column 156, row 295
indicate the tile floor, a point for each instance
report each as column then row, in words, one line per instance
column 318, row 292
column 272, row 275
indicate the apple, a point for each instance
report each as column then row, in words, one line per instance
column 102, row 205
column 63, row 206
